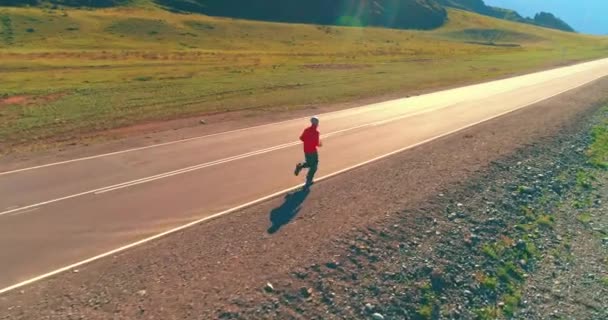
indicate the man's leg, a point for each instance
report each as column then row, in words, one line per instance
column 300, row 166
column 312, row 163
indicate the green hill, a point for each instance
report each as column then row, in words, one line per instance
column 67, row 3
column 402, row 14
column 399, row 14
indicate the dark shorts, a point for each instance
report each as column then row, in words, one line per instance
column 312, row 159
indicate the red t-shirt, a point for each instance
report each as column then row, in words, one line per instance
column 310, row 137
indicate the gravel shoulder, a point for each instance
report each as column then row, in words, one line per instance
column 571, row 277
column 409, row 236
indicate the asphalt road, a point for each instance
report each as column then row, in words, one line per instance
column 60, row 214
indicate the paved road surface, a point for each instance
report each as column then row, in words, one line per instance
column 56, row 215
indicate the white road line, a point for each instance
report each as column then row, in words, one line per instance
column 193, row 168
column 24, row 211
column 258, row 152
column 260, row 200
column 123, row 185
column 138, row 149
column 580, row 65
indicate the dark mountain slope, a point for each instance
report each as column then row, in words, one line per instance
column 401, row 14
column 542, row 19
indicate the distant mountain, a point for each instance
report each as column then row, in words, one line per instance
column 542, row 19
column 401, row 14
column 548, row 20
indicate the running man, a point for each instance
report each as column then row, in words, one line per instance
column 310, row 138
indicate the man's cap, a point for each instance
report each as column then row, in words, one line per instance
column 314, row 120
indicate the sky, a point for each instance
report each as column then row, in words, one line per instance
column 586, row 16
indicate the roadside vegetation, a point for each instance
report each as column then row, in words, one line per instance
column 69, row 73
column 598, row 153
column 559, row 255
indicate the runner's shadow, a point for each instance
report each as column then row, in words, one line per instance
column 282, row 215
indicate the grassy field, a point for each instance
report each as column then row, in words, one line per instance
column 73, row 72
